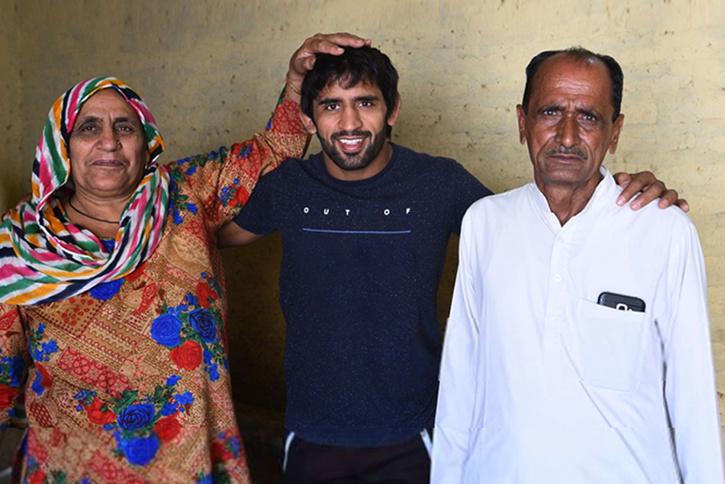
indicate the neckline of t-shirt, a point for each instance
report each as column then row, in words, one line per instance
column 372, row 179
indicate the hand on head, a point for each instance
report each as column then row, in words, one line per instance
column 303, row 58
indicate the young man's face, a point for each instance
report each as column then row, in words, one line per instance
column 351, row 126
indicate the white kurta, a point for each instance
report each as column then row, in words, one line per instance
column 541, row 385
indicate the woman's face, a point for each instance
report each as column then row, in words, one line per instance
column 108, row 151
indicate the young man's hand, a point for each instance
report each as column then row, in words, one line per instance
column 647, row 187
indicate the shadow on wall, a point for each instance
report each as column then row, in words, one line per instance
column 11, row 195
column 255, row 324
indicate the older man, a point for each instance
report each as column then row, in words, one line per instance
column 577, row 349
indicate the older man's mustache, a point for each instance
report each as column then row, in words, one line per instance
column 563, row 150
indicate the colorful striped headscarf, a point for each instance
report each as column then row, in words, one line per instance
column 43, row 256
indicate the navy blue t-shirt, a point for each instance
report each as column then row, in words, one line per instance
column 360, row 269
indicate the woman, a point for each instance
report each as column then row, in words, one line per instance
column 111, row 291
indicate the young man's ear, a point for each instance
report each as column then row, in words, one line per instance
column 308, row 123
column 393, row 117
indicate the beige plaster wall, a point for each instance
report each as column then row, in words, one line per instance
column 211, row 70
column 14, row 180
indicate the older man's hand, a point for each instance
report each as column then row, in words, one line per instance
column 304, row 58
column 648, row 187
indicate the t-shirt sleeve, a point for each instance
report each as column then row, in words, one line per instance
column 258, row 215
column 468, row 189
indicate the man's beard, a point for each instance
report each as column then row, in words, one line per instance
column 357, row 161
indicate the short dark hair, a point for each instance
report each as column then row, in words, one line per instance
column 355, row 65
column 615, row 73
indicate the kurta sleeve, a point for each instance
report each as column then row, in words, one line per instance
column 13, row 369
column 459, row 383
column 219, row 182
column 689, row 375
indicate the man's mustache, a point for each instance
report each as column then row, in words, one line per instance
column 563, row 150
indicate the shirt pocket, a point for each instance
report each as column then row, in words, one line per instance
column 610, row 345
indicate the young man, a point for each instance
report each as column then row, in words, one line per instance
column 365, row 226
column 577, row 349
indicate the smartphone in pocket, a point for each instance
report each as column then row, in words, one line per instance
column 621, row 302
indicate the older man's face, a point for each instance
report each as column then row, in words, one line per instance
column 569, row 127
